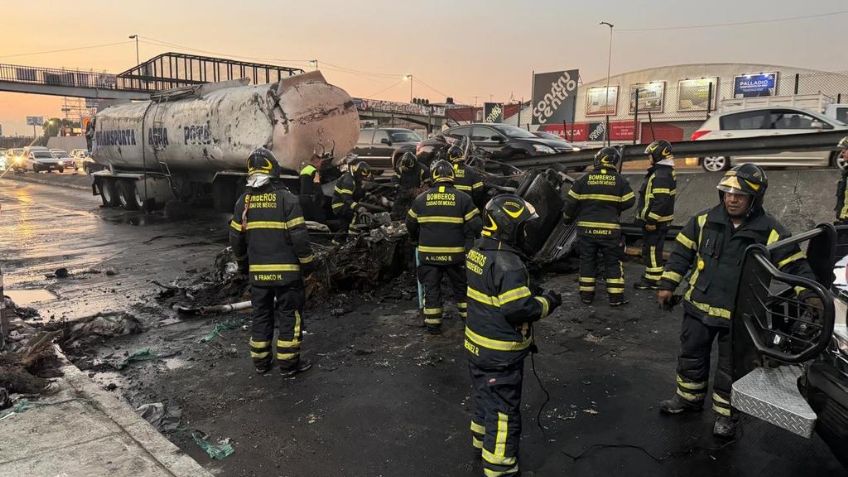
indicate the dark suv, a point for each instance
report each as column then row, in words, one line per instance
column 382, row 147
column 503, row 141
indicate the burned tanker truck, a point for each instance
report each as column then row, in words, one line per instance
column 190, row 144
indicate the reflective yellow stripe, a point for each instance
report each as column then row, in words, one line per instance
column 477, row 185
column 305, row 260
column 545, row 306
column 478, row 428
column 774, row 236
column 587, row 279
column 477, row 443
column 603, row 197
column 437, row 320
column 264, row 354
column 499, row 473
column 790, row 259
column 686, row 241
column 720, row 400
column 721, row 410
column 660, row 218
column 691, row 385
column 432, row 311
column 308, row 170
column 275, row 267
column 711, row 310
column 265, row 224
column 426, row 249
column 439, row 219
column 615, row 281
column 514, row 294
column 461, row 305
column 598, row 225
column 297, row 324
column 481, row 297
column 235, row 225
column 462, row 187
column 690, row 396
column 662, row 190
column 471, row 214
column 286, row 356
column 336, row 206
column 496, row 345
column 259, row 344
column 652, row 252
column 288, row 344
column 295, row 222
column 412, row 214
column 343, row 191
column 500, row 439
column 672, row 276
column 587, row 289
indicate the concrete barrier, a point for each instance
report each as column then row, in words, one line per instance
column 799, row 198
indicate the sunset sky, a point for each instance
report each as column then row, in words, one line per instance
column 461, row 48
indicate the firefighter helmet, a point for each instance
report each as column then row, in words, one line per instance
column 441, row 171
column 506, row 216
column 843, row 143
column 607, row 157
column 747, row 179
column 455, row 154
column 659, row 150
column 263, row 161
column 360, row 170
column 406, row 162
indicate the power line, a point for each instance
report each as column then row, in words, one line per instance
column 732, row 24
column 46, row 52
column 432, row 88
column 252, row 58
column 384, row 89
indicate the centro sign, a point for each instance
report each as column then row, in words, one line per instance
column 554, row 96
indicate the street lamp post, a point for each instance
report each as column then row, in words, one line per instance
column 609, row 67
column 135, row 37
column 409, row 78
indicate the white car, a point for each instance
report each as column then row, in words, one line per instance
column 63, row 158
column 769, row 121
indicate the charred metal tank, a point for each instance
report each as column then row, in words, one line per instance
column 204, row 134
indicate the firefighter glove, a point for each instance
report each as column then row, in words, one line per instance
column 554, row 299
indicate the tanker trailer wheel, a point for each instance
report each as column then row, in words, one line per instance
column 108, row 192
column 129, row 196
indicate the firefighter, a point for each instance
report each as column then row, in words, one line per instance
column 311, row 196
column 445, row 223
column 596, row 201
column 348, row 191
column 410, row 177
column 498, row 333
column 655, row 211
column 842, row 204
column 711, row 247
column 467, row 179
column 271, row 243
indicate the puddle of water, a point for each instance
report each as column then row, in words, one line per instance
column 28, row 297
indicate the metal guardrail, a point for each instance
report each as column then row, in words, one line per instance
column 821, row 141
column 57, row 77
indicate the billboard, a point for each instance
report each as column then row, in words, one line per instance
column 493, row 112
column 759, row 84
column 693, row 94
column 651, row 97
column 596, row 101
column 554, row 96
column 35, row 120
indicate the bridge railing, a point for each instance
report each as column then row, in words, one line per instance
column 57, row 77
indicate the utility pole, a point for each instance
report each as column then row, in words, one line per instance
column 609, row 68
column 409, row 78
column 314, row 64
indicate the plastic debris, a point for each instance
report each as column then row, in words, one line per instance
column 163, row 418
column 220, row 328
column 221, row 451
column 141, row 355
column 19, row 407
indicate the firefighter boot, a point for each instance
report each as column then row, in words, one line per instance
column 724, row 427
column 617, row 299
column 302, row 366
column 587, row 297
column 678, row 405
column 645, row 284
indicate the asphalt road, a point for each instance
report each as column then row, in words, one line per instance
column 384, row 398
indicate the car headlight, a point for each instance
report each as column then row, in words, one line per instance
column 575, row 149
column 543, row 149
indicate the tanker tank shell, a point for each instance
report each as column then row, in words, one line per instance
column 216, row 131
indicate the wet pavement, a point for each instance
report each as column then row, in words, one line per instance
column 384, row 398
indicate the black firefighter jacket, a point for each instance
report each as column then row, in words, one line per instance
column 710, row 248
column 469, row 181
column 345, row 196
column 501, row 305
column 268, row 231
column 656, row 196
column 841, row 204
column 445, row 223
column 597, row 200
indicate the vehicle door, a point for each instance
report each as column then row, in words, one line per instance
column 793, row 121
column 363, row 144
column 742, row 125
column 490, row 140
column 381, row 150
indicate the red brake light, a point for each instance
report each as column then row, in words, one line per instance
column 699, row 134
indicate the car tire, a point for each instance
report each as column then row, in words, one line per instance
column 838, row 160
column 109, row 192
column 129, row 196
column 61, row 170
column 715, row 163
